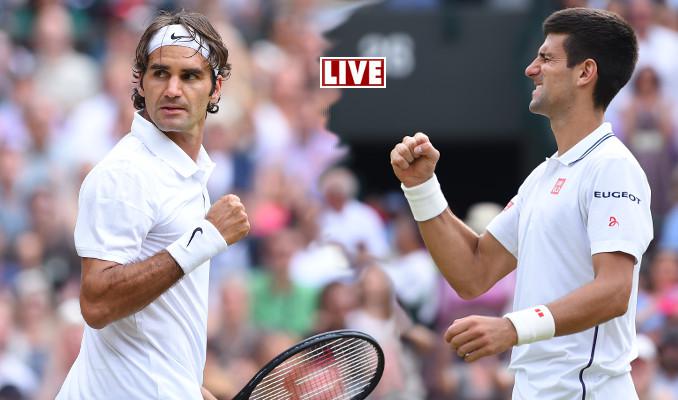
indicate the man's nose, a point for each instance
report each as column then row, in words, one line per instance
column 173, row 88
column 532, row 69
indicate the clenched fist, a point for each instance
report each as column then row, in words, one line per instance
column 229, row 217
column 414, row 159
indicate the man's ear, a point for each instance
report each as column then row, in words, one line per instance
column 140, row 86
column 588, row 72
column 216, row 93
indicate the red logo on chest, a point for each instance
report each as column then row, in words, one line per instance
column 559, row 185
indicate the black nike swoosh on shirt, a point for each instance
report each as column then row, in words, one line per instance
column 196, row 230
column 173, row 36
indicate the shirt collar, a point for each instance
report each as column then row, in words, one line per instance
column 585, row 146
column 168, row 151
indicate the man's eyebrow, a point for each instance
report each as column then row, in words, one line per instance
column 196, row 71
column 159, row 66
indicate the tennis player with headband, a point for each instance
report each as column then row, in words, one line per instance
column 575, row 231
column 145, row 229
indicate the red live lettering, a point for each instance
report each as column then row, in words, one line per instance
column 352, row 72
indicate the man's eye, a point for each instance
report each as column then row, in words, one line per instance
column 160, row 73
column 191, row 76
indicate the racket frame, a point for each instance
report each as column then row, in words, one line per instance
column 308, row 343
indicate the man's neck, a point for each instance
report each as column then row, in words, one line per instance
column 571, row 128
column 188, row 142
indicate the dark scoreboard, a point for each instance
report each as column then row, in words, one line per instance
column 456, row 72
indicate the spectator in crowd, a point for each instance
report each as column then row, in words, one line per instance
column 413, row 272
column 15, row 375
column 98, row 122
column 657, row 298
column 63, row 75
column 13, row 213
column 234, row 352
column 277, row 302
column 336, row 301
column 668, row 239
column 377, row 315
column 64, row 348
column 667, row 377
column 649, row 134
column 657, row 45
column 644, row 371
column 346, row 220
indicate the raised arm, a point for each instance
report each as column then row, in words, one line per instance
column 111, row 291
column 471, row 264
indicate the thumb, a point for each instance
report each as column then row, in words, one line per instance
column 425, row 149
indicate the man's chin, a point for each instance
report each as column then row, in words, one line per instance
column 535, row 109
column 168, row 126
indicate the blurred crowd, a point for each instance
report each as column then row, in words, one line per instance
column 323, row 253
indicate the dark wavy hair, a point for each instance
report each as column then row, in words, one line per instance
column 195, row 24
column 602, row 36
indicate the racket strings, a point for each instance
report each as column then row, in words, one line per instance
column 313, row 353
column 347, row 376
column 336, row 370
column 273, row 381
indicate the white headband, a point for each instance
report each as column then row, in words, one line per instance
column 178, row 35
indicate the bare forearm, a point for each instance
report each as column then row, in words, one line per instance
column 117, row 291
column 587, row 307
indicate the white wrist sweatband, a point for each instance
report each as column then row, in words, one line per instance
column 426, row 200
column 197, row 245
column 533, row 324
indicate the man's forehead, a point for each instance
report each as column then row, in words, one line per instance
column 553, row 43
column 177, row 56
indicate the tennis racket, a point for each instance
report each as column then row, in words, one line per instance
column 337, row 365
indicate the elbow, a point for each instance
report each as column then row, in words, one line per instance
column 621, row 306
column 468, row 292
column 620, row 302
column 93, row 314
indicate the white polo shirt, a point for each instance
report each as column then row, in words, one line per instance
column 593, row 199
column 140, row 198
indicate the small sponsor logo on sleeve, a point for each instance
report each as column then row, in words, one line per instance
column 613, row 222
column 617, row 195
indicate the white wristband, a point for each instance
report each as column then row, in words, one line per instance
column 426, row 200
column 533, row 324
column 197, row 245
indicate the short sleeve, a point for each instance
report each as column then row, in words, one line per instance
column 504, row 227
column 114, row 214
column 619, row 217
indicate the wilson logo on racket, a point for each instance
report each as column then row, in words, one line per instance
column 353, row 72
